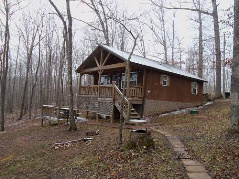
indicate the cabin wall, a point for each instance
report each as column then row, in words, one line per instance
column 177, row 95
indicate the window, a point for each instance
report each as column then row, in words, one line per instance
column 194, row 88
column 133, row 78
column 165, row 80
column 105, row 80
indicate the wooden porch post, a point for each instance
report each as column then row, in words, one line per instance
column 144, row 81
column 144, row 90
column 113, row 102
column 79, row 83
column 128, row 82
column 99, row 80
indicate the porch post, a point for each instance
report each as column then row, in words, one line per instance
column 99, row 80
column 128, row 81
column 79, row 83
column 144, row 91
column 144, row 82
column 113, row 102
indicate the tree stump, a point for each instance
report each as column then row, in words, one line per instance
column 140, row 139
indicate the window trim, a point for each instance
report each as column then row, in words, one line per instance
column 107, row 80
column 194, row 88
column 163, row 81
column 131, row 80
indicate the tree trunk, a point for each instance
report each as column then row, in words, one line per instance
column 3, row 73
column 124, row 85
column 234, row 120
column 217, row 48
column 23, row 105
column 69, row 60
column 224, row 60
column 200, row 47
column 29, row 50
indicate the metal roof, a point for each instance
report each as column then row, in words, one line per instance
column 149, row 63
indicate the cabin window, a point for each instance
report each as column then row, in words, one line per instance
column 165, row 80
column 133, row 78
column 194, row 88
column 105, row 80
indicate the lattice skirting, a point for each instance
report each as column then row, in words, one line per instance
column 88, row 103
column 92, row 104
column 106, row 107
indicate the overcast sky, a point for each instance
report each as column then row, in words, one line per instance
column 184, row 27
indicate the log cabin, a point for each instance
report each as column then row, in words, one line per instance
column 152, row 87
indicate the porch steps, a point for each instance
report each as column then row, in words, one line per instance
column 134, row 114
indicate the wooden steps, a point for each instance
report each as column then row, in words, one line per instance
column 134, row 114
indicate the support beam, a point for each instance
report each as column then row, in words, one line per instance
column 79, row 82
column 144, row 81
column 107, row 67
column 101, row 58
column 96, row 61
column 128, row 81
column 106, row 59
column 113, row 101
column 99, row 80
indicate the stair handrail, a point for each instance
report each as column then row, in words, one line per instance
column 126, row 102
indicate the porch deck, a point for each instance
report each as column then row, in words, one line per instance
column 103, row 98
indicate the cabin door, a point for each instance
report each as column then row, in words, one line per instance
column 116, row 78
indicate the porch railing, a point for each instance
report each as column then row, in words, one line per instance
column 136, row 91
column 106, row 91
column 93, row 90
column 89, row 90
column 118, row 96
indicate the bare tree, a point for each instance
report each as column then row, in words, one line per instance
column 28, row 35
column 98, row 8
column 4, row 63
column 158, row 27
column 217, row 49
column 68, row 38
column 214, row 15
column 234, row 120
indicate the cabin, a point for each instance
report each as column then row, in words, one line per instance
column 151, row 87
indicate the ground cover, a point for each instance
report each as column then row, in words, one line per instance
column 207, row 138
column 26, row 151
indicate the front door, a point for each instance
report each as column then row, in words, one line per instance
column 116, row 78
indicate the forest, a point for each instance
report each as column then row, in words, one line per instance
column 42, row 44
column 35, row 38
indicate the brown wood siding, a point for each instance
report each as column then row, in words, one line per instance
column 179, row 89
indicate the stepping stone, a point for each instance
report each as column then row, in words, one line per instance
column 179, row 149
column 198, row 176
column 195, row 169
column 188, row 162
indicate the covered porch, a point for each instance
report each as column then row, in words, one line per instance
column 103, row 94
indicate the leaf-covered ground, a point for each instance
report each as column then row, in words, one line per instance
column 208, row 138
column 26, row 152
column 26, row 148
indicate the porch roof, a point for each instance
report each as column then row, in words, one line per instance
column 146, row 62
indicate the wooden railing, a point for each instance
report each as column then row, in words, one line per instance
column 136, row 91
column 106, row 91
column 118, row 96
column 89, row 90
